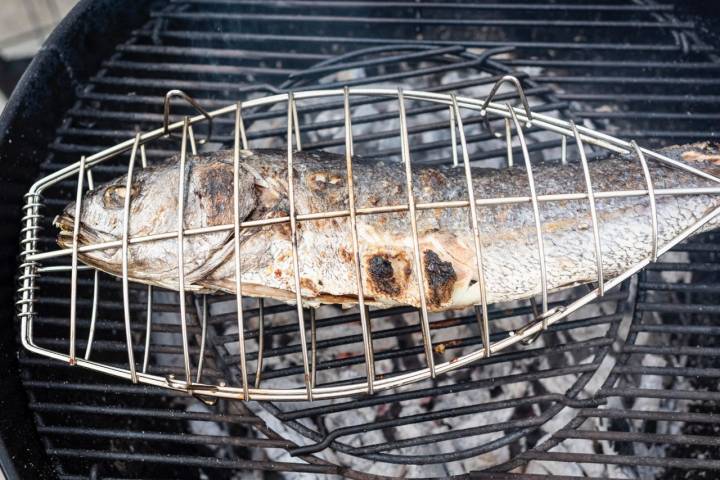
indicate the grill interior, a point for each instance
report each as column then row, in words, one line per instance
column 625, row 388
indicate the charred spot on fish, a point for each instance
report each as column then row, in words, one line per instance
column 441, row 277
column 381, row 268
column 388, row 274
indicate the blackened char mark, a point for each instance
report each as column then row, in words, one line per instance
column 382, row 275
column 441, row 277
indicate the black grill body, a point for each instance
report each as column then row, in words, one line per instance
column 639, row 70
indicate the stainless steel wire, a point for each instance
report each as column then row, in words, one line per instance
column 536, row 214
column 149, row 306
column 593, row 212
column 261, row 342
column 31, row 267
column 148, row 329
column 73, row 281
column 508, row 143
column 313, row 349
column 364, row 317
column 96, row 290
column 239, row 136
column 453, row 138
column 293, row 242
column 484, row 325
column 419, row 274
column 125, row 255
column 651, row 196
column 180, row 251
column 203, row 337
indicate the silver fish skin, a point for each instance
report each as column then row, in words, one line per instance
column 511, row 262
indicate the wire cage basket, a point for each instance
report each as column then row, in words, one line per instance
column 515, row 121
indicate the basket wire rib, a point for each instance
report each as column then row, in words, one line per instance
column 424, row 322
column 239, row 134
column 74, row 273
column 96, row 290
column 364, row 317
column 482, row 312
column 31, row 268
column 536, row 212
column 293, row 123
column 593, row 213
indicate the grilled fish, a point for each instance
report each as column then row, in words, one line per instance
column 511, row 262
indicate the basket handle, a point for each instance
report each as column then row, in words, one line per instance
column 166, row 112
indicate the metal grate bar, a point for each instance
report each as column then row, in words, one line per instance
column 657, row 393
column 623, row 79
column 662, row 350
column 624, row 460
column 650, row 415
column 571, row 7
column 165, row 50
column 617, row 65
column 639, row 97
column 190, row 439
column 535, row 23
column 194, row 461
column 639, row 437
column 484, row 475
column 359, row 40
column 162, row 83
column 200, row 69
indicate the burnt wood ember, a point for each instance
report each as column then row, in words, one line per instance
column 626, row 388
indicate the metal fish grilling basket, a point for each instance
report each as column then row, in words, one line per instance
column 36, row 263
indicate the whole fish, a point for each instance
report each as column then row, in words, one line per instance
column 510, row 253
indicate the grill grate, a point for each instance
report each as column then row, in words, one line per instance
column 98, row 429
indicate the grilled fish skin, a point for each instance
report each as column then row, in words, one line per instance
column 327, row 262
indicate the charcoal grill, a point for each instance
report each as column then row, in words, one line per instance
column 595, row 416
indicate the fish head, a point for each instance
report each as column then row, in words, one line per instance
column 152, row 201
column 101, row 213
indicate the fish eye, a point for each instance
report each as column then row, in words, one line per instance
column 114, row 196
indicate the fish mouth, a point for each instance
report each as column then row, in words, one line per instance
column 66, row 224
